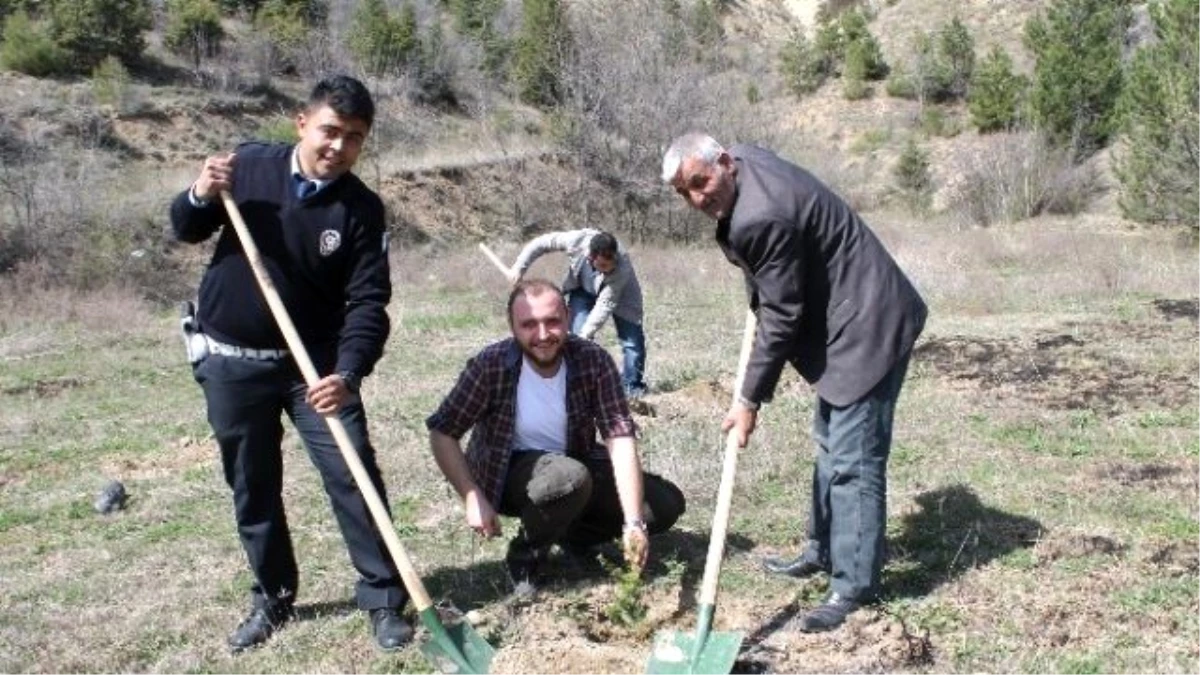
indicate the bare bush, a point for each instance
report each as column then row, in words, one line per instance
column 67, row 215
column 1018, row 176
column 630, row 90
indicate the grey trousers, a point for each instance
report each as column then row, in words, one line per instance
column 561, row 499
column 849, row 487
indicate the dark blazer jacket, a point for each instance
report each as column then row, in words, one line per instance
column 829, row 297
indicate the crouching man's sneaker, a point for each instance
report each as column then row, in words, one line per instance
column 391, row 630
column 259, row 626
column 830, row 614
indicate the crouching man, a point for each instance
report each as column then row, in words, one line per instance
column 534, row 402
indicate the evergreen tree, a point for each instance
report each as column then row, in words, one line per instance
column 541, row 51
column 912, row 175
column 194, row 29
column 802, row 68
column 957, row 48
column 1158, row 163
column 93, row 29
column 1077, row 78
column 996, row 93
column 28, row 48
column 379, row 42
column 706, row 23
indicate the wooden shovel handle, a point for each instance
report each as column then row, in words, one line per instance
column 720, row 527
column 504, row 269
column 383, row 522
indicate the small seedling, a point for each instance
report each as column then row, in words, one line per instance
column 627, row 608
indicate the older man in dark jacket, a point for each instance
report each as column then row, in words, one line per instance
column 832, row 302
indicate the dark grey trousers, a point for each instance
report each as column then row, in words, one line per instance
column 849, row 487
column 245, row 400
column 560, row 499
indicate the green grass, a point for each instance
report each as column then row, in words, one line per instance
column 989, row 490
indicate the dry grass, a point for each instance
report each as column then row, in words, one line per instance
column 1043, row 483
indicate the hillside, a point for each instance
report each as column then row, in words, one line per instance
column 498, row 168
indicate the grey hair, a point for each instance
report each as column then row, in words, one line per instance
column 689, row 145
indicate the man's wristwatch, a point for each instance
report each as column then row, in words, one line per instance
column 352, row 380
column 637, row 524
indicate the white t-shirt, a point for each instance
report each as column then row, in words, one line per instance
column 541, row 422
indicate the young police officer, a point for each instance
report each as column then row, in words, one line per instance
column 321, row 232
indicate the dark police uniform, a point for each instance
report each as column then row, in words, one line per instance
column 327, row 256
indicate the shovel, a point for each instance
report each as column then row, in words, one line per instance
column 504, row 269
column 707, row 651
column 457, row 649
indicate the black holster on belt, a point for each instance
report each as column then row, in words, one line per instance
column 193, row 339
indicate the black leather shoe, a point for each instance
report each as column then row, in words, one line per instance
column 391, row 631
column 798, row 567
column 259, row 626
column 829, row 614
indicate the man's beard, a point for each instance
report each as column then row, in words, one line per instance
column 539, row 360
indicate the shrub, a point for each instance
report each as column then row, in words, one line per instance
column 93, row 29
column 1077, row 76
column 836, row 37
column 541, row 49
column 862, row 46
column 110, row 82
column 900, row 83
column 1018, row 176
column 803, row 69
column 706, row 23
column 431, row 75
column 912, row 176
column 857, row 70
column 380, row 43
column 1157, row 164
column 997, row 94
column 957, row 49
column 194, row 29
column 285, row 28
column 278, row 129
column 28, row 48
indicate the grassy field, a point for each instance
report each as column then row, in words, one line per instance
column 1043, row 501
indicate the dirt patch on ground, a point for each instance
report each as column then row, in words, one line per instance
column 45, row 388
column 708, row 395
column 1176, row 559
column 1070, row 370
column 184, row 453
column 1071, row 545
column 1130, row 475
column 1188, row 308
column 573, row 635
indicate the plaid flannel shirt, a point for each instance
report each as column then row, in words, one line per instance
column 484, row 401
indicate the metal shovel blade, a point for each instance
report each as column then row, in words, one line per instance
column 456, row 648
column 678, row 652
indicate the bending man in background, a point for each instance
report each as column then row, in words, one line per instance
column 321, row 232
column 600, row 282
column 533, row 403
column 832, row 302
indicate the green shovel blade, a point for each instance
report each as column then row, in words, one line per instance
column 456, row 648
column 677, row 652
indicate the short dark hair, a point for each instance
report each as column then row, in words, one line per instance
column 346, row 96
column 603, row 244
column 533, row 288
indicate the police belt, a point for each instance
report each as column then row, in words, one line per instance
column 222, row 349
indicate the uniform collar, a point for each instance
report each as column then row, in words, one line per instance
column 299, row 175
